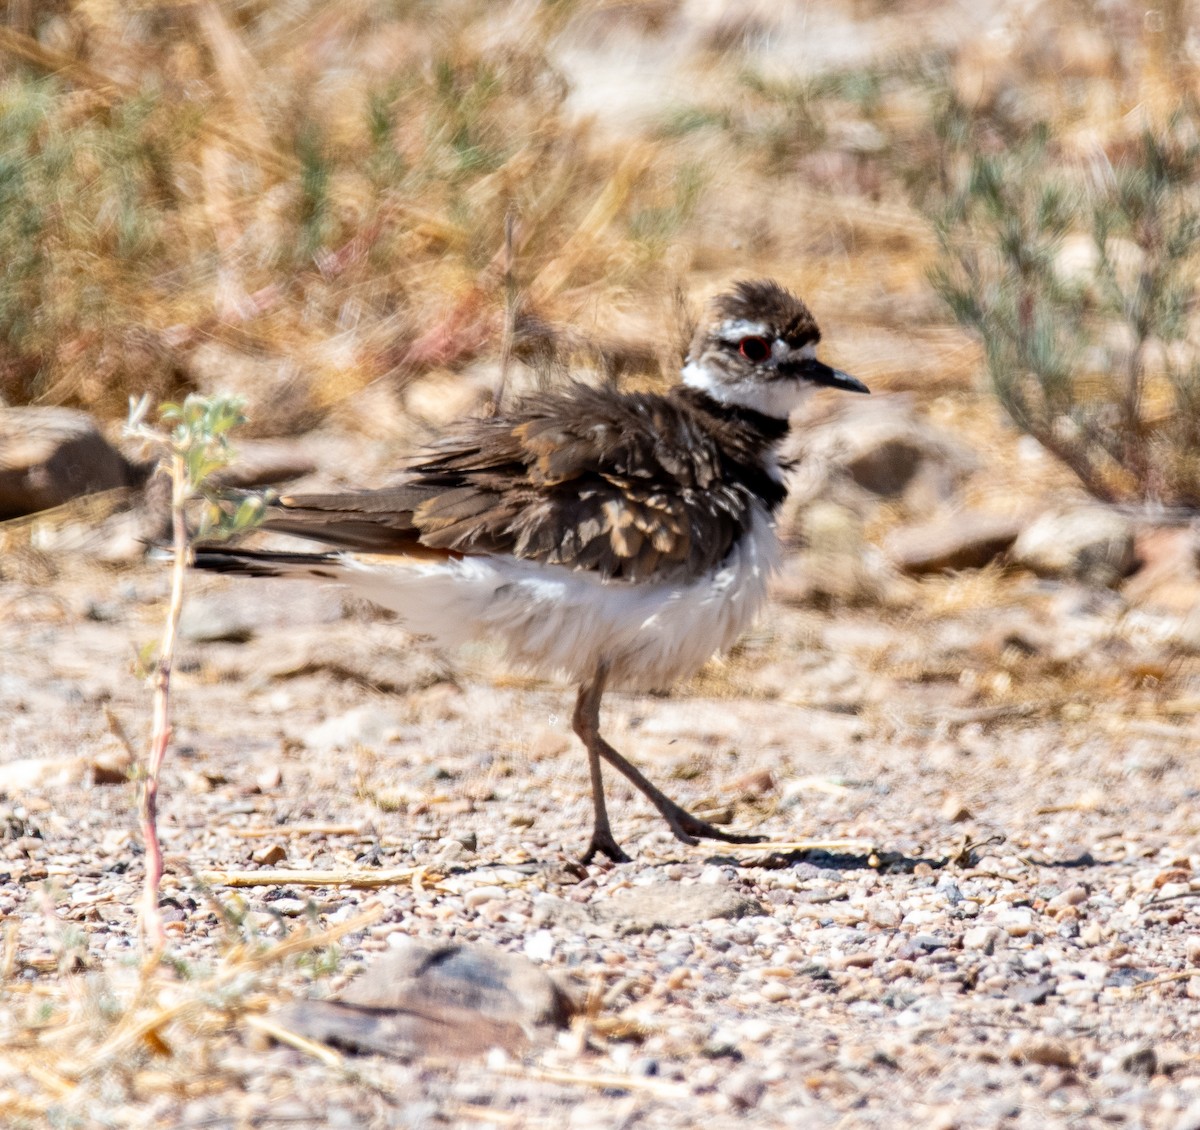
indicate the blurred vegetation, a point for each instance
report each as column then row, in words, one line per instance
column 319, row 186
column 292, row 202
column 1080, row 279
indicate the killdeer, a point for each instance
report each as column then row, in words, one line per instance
column 620, row 538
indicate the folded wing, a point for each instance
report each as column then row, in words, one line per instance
column 627, row 487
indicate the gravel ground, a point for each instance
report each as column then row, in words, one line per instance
column 998, row 925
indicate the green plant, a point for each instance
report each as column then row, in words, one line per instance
column 1078, row 278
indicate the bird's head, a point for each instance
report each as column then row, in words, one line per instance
column 758, row 350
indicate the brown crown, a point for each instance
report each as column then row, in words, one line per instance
column 763, row 300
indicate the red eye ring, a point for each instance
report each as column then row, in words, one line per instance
column 754, row 349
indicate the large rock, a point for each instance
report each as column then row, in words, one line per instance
column 440, row 999
column 969, row 540
column 1089, row 543
column 885, row 449
column 49, row 456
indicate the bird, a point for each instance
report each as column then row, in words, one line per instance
column 619, row 538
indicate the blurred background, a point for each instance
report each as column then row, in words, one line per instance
column 298, row 201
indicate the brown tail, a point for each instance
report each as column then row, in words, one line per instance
column 376, row 521
column 263, row 563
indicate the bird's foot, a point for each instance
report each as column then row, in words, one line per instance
column 691, row 829
column 603, row 842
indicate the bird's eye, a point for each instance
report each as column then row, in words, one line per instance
column 754, row 348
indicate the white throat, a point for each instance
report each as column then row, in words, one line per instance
column 777, row 398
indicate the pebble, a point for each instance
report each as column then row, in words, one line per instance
column 1017, row 921
column 1072, row 896
column 744, row 1089
column 289, row 907
column 539, row 946
column 363, row 726
column 982, row 938
column 755, row 1031
column 477, row 896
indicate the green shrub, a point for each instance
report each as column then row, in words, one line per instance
column 1078, row 274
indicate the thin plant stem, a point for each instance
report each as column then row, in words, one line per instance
column 153, row 931
column 511, row 303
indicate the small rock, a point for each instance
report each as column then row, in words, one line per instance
column 362, row 726
column 954, row 810
column 922, row 944
column 744, row 1090
column 774, row 992
column 288, row 907
column 212, row 620
column 1090, row 544
column 884, row 916
column 969, row 540
column 477, row 896
column 949, row 890
column 982, row 938
column 43, row 773
column 884, row 447
column 1072, row 896
column 1137, row 1058
column 755, row 1030
column 1033, row 992
column 1017, row 921
column 270, row 855
column 270, row 778
column 111, row 767
column 539, row 946
column 1043, row 1051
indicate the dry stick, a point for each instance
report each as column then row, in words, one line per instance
column 510, row 312
column 152, row 923
column 344, row 878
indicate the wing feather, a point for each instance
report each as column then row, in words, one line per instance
column 616, row 484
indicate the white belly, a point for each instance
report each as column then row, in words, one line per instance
column 555, row 620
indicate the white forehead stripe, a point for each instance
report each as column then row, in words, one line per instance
column 737, row 328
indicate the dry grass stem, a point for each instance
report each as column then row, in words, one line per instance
column 417, row 877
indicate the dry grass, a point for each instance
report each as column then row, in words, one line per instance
column 141, row 1032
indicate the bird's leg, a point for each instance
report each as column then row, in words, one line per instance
column 686, row 827
column 586, row 723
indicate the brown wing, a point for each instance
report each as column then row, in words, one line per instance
column 622, row 485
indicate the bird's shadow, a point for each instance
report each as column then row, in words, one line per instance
column 965, row 856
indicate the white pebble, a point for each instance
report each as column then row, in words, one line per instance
column 539, row 946
column 479, row 895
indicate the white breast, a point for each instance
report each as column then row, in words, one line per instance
column 555, row 620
